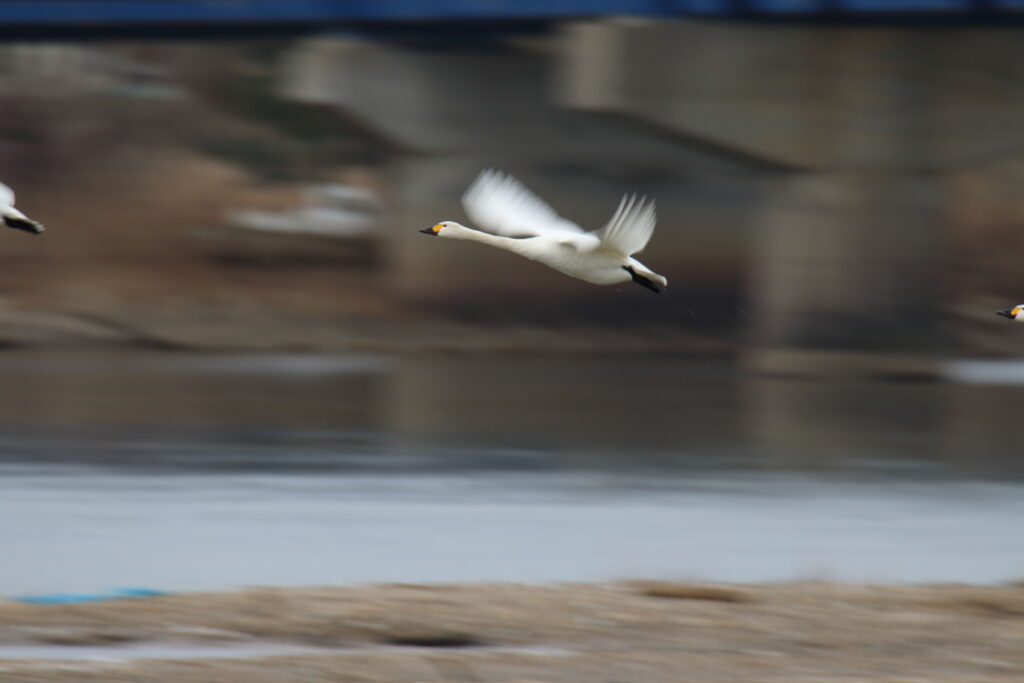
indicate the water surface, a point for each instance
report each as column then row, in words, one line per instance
column 183, row 472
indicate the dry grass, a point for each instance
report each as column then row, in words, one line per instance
column 797, row 633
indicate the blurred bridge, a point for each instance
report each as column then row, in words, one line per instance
column 78, row 17
column 830, row 150
column 828, row 135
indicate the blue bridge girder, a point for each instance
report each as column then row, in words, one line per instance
column 119, row 13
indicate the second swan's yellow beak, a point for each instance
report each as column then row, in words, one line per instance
column 432, row 231
column 1010, row 313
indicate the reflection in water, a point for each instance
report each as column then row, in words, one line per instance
column 184, row 472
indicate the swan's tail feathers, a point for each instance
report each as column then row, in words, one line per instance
column 647, row 278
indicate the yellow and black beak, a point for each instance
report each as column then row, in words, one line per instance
column 432, row 231
column 1010, row 313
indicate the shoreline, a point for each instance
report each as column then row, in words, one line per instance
column 633, row 631
column 226, row 329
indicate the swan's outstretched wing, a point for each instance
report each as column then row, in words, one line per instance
column 6, row 195
column 630, row 228
column 498, row 203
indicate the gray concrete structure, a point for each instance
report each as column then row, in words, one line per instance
column 809, row 96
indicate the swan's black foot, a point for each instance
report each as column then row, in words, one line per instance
column 641, row 280
column 23, row 224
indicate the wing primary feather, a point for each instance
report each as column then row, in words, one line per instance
column 498, row 203
column 618, row 211
column 630, row 227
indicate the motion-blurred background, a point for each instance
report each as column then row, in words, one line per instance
column 231, row 359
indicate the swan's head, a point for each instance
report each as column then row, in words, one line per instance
column 13, row 218
column 443, row 229
column 1015, row 313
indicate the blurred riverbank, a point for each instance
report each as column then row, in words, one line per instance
column 134, row 274
column 205, row 326
column 571, row 633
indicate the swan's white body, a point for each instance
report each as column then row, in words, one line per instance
column 13, row 218
column 518, row 221
column 1016, row 313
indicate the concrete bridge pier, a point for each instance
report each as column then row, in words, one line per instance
column 844, row 274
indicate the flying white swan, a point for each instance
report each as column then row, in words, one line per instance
column 13, row 218
column 1015, row 313
column 519, row 221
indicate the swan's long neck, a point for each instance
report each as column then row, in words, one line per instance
column 461, row 232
